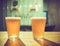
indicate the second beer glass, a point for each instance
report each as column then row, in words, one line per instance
column 38, row 27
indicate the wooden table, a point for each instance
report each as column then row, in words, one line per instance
column 51, row 38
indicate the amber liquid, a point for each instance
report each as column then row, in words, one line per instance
column 38, row 27
column 13, row 26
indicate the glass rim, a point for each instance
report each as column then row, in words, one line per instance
column 12, row 17
column 38, row 17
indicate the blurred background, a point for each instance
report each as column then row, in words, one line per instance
column 30, row 8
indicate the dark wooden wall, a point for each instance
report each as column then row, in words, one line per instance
column 1, row 15
column 3, row 4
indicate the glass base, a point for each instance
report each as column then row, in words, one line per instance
column 13, row 37
column 39, row 38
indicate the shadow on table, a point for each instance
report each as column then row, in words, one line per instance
column 16, row 42
column 46, row 42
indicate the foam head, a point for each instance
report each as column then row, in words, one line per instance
column 38, row 18
column 12, row 18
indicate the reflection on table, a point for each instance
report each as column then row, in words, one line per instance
column 15, row 42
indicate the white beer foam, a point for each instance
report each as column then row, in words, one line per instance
column 38, row 17
column 12, row 18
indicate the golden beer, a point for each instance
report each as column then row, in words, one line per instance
column 13, row 26
column 38, row 27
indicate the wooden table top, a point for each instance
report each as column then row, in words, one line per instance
column 51, row 39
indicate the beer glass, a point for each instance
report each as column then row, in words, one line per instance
column 13, row 27
column 38, row 27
